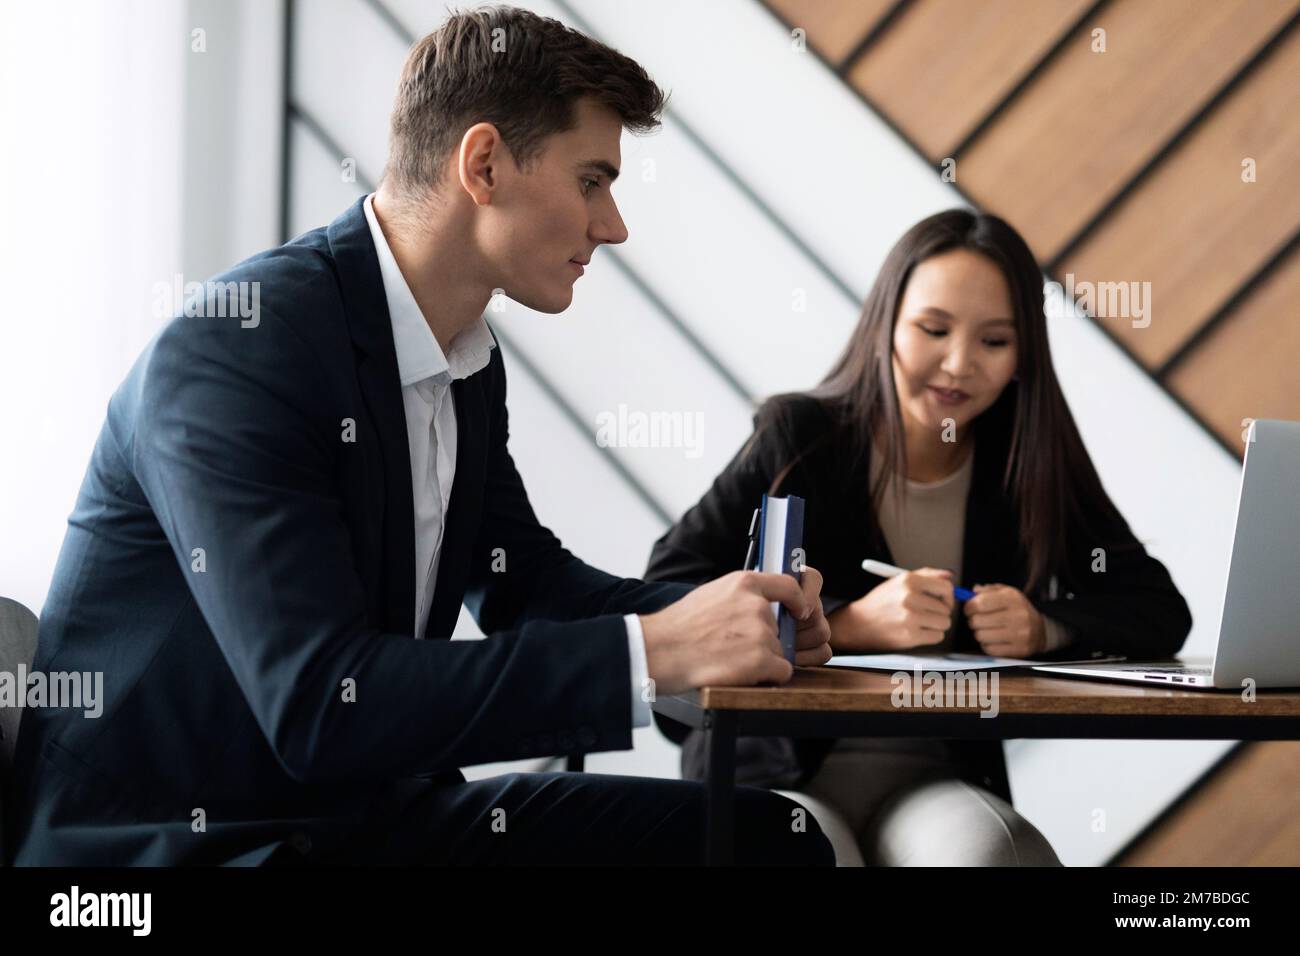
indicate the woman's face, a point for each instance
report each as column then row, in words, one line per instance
column 954, row 341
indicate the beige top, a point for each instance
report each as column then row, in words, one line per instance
column 930, row 528
column 930, row 532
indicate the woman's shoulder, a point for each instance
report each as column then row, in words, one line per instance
column 793, row 426
column 797, row 414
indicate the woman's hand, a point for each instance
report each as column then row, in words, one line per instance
column 909, row 610
column 1005, row 623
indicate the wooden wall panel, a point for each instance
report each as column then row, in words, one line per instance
column 1248, row 814
column 1248, row 366
column 1194, row 229
column 1091, row 120
column 944, row 64
column 833, row 27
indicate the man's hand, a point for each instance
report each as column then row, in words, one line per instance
column 812, row 640
column 724, row 632
column 1005, row 623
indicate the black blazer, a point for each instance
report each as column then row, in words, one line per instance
column 224, row 687
column 798, row 448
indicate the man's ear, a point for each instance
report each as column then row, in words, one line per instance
column 481, row 153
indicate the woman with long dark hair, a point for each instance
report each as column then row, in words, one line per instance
column 939, row 441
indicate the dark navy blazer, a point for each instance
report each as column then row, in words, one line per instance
column 243, row 576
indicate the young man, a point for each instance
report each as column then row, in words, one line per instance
column 284, row 512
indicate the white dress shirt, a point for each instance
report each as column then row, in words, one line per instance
column 426, row 375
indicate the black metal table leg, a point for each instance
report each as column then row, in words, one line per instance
column 719, row 787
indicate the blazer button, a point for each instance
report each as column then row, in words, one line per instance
column 525, row 743
column 586, row 737
column 300, row 842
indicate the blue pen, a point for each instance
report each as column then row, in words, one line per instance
column 889, row 571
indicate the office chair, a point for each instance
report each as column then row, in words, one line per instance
column 17, row 646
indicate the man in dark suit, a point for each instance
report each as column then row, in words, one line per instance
column 286, row 507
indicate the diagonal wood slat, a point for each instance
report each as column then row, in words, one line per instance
column 1194, row 229
column 1091, row 120
column 944, row 64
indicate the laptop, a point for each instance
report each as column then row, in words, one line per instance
column 1259, row 632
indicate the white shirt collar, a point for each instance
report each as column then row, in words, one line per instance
column 418, row 354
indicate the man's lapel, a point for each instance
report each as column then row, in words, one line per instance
column 381, row 389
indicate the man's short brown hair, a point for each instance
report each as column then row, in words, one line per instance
column 519, row 71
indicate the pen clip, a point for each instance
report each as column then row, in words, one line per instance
column 750, row 551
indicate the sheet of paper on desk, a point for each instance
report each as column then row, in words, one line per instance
column 944, row 662
column 926, row 662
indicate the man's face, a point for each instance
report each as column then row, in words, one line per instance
column 546, row 222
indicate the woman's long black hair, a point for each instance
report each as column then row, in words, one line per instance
column 1048, row 474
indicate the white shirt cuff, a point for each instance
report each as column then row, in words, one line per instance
column 640, row 671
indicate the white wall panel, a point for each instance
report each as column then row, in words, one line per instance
column 317, row 191
column 92, row 102
column 835, row 174
column 346, row 62
column 612, row 349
